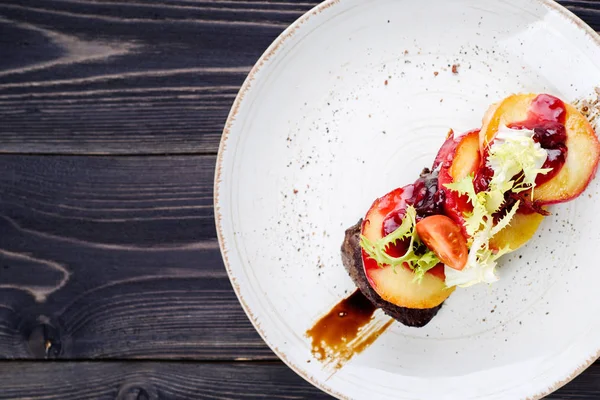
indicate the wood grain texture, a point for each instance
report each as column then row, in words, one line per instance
column 152, row 381
column 117, row 77
column 175, row 381
column 587, row 10
column 115, row 257
column 127, row 77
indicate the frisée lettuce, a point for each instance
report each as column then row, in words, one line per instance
column 516, row 160
column 419, row 263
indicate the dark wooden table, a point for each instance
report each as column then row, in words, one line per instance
column 111, row 280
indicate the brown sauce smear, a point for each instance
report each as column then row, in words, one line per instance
column 345, row 330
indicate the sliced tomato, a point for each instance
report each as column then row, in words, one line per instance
column 444, row 237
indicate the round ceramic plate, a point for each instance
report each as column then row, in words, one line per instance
column 353, row 100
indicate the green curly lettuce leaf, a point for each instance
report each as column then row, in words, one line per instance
column 419, row 263
column 482, row 260
column 515, row 153
column 516, row 160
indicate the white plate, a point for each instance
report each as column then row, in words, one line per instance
column 315, row 116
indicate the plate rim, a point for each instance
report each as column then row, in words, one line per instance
column 271, row 50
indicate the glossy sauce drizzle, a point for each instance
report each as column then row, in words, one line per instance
column 546, row 117
column 345, row 330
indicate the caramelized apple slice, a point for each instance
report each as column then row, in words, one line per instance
column 398, row 286
column 461, row 159
column 582, row 145
column 514, row 108
column 522, row 228
column 581, row 163
column 467, row 158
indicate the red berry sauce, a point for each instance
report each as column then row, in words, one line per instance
column 427, row 200
column 546, row 117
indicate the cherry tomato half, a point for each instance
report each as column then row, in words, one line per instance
column 444, row 237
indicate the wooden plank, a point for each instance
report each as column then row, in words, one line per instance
column 152, row 381
column 109, row 77
column 174, row 381
column 587, row 10
column 115, row 257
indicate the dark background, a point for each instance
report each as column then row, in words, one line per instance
column 111, row 280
